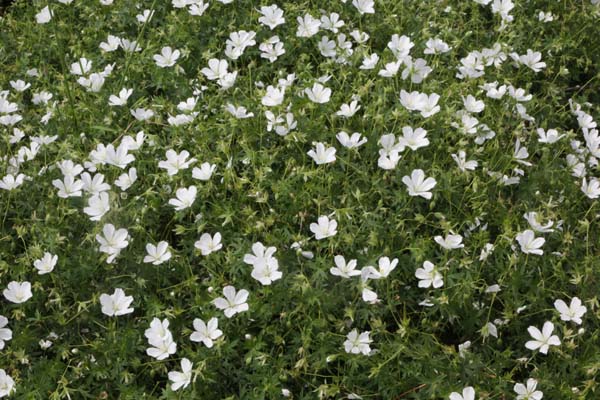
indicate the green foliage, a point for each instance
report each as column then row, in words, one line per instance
column 266, row 188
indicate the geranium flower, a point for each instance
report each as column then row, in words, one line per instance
column 18, row 292
column 112, row 241
column 528, row 392
column 321, row 154
column 544, row 339
column 5, row 333
column 204, row 172
column 233, row 302
column 181, row 379
column 429, row 276
column 307, row 26
column 185, row 197
column 272, row 16
column 157, row 254
column 417, row 185
column 450, row 242
column 356, row 344
column 364, row 6
column 167, row 57
column 98, row 205
column 116, row 304
column 573, row 312
column 7, row 384
column 318, row 93
column 468, row 393
column 176, row 161
column 351, row 142
column 209, row 244
column 344, row 269
column 206, row 332
column 324, row 227
column 413, row 139
column 265, row 265
column 529, row 243
column 46, row 264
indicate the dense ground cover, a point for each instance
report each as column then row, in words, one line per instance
column 300, row 199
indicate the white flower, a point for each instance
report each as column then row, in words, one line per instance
column 436, row 46
column 550, row 136
column 468, row 393
column 533, row 60
column 344, row 269
column 473, row 105
column 81, row 67
column 356, row 344
column 98, row 205
column 461, row 161
column 112, row 43
column 544, row 339
column 5, row 333
column 113, row 241
column 18, row 292
column 145, row 16
column 265, row 266
column 414, row 139
column 176, row 162
column 204, row 172
column 528, row 392
column 364, row 6
column 209, row 244
column 167, row 57
column 573, row 312
column 142, row 114
column 400, row 46
column 351, row 142
column 198, row 8
column 273, row 97
column 157, row 254
column 307, row 26
column 217, row 69
column 116, row 304
column 332, row 22
column 450, row 242
column 7, row 384
column 118, row 157
column 386, row 266
column 429, row 276
column 10, row 181
column 206, row 332
column 181, row 379
column 185, row 197
column 161, row 348
column 417, row 185
column 20, row 85
column 233, row 302
column 324, row 227
column 348, row 110
column 94, row 185
column 272, row 16
column 318, row 93
column 370, row 61
column 238, row 112
column 535, row 224
column 46, row 264
column 44, row 16
column 321, row 154
column 529, row 243
column 591, row 189
column 120, row 100
column 68, row 187
column 126, row 180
